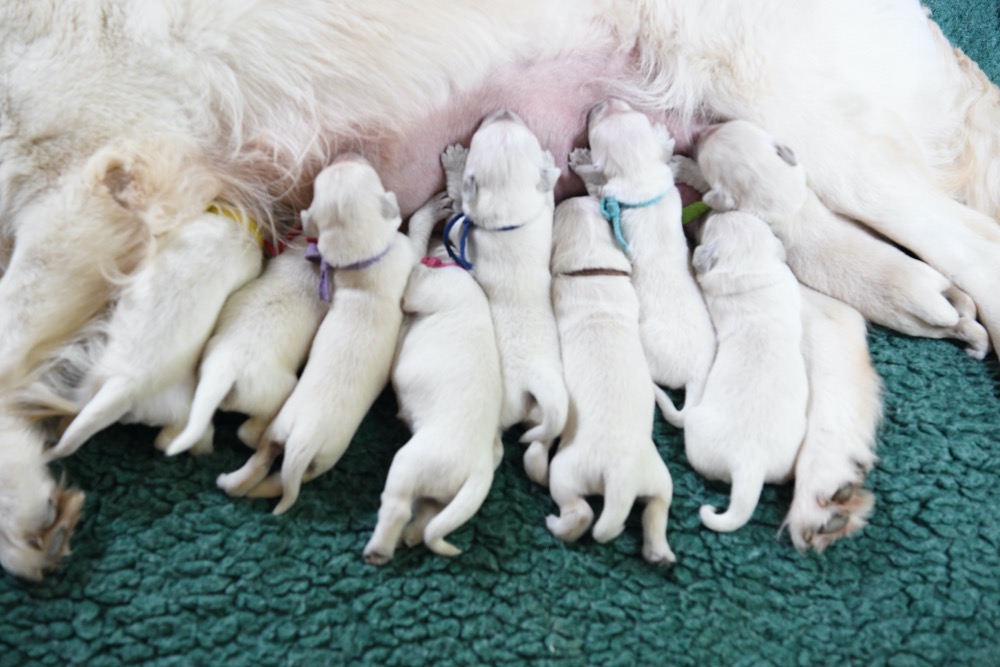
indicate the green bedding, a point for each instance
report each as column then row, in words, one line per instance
column 167, row 570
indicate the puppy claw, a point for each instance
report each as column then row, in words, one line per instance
column 844, row 493
column 834, row 525
column 377, row 557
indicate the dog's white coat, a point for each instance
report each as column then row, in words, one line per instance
column 629, row 162
column 507, row 180
column 744, row 170
column 845, row 407
column 749, row 424
column 895, row 125
column 607, row 447
column 165, row 313
column 260, row 342
column 355, row 220
column 447, row 380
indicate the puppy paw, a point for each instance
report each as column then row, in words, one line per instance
column 686, row 171
column 453, row 162
column 580, row 157
column 818, row 520
column 572, row 522
column 975, row 336
column 659, row 555
column 378, row 554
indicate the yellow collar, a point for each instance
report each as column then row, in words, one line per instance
column 237, row 215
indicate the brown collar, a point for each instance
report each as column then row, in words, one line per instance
column 596, row 272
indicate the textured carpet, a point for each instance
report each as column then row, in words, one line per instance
column 168, row 571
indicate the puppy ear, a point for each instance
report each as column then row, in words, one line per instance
column 786, row 154
column 550, row 173
column 390, row 207
column 308, row 226
column 704, row 257
column 719, row 201
column 159, row 180
column 666, row 142
column 469, row 188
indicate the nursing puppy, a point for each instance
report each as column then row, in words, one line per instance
column 145, row 371
column 749, row 424
column 746, row 169
column 260, row 342
column 504, row 237
column 607, row 446
column 627, row 167
column 845, row 407
column 447, row 379
column 355, row 221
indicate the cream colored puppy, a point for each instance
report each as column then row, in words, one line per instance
column 261, row 340
column 447, row 379
column 748, row 170
column 607, row 446
column 751, row 419
column 145, row 371
column 628, row 168
column 355, row 221
column 504, row 237
column 845, row 406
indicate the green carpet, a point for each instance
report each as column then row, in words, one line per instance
column 168, row 571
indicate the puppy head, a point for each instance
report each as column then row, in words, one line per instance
column 352, row 216
column 508, row 178
column 738, row 245
column 582, row 239
column 37, row 515
column 748, row 170
column 629, row 155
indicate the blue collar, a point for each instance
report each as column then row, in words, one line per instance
column 467, row 224
column 612, row 209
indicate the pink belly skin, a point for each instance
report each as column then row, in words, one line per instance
column 553, row 98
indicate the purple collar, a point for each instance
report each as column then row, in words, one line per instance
column 314, row 256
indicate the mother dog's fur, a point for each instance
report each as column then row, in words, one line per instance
column 247, row 101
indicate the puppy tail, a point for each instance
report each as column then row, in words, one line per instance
column 669, row 411
column 111, row 403
column 218, row 375
column 553, row 403
column 466, row 502
column 744, row 496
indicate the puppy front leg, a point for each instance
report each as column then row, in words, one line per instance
column 581, row 163
column 453, row 161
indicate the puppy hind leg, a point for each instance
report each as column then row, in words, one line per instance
column 655, row 548
column 112, row 402
column 253, row 472
column 619, row 497
column 217, row 378
column 393, row 515
column 575, row 514
column 462, row 507
column 425, row 509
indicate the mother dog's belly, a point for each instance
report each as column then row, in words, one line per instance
column 552, row 97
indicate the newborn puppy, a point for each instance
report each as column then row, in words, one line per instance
column 145, row 371
column 750, row 421
column 845, row 407
column 447, row 379
column 38, row 515
column 504, row 237
column 355, row 221
column 747, row 170
column 260, row 342
column 627, row 167
column 606, row 447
